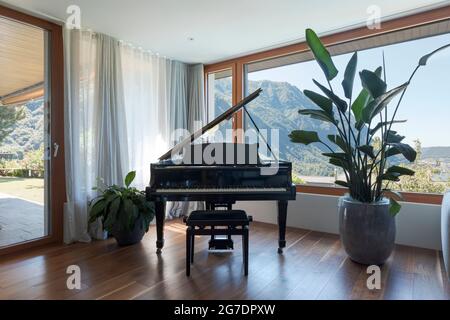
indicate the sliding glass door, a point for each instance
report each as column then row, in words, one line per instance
column 30, row 163
column 24, row 133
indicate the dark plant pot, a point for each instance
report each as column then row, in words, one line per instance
column 367, row 230
column 129, row 237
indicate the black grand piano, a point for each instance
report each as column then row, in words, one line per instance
column 221, row 182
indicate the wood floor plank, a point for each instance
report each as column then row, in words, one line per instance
column 428, row 282
column 126, row 292
column 316, row 279
column 299, row 260
column 341, row 285
column 399, row 283
column 314, row 266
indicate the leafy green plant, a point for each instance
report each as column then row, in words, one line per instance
column 122, row 207
column 9, row 116
column 358, row 122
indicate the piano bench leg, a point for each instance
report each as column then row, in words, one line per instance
column 188, row 251
column 192, row 247
column 245, row 241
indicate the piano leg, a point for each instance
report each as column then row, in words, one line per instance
column 160, row 213
column 282, row 216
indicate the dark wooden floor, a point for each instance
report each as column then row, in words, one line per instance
column 314, row 266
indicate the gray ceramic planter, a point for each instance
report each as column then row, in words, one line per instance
column 367, row 230
column 125, row 237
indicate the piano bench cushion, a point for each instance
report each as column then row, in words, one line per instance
column 217, row 218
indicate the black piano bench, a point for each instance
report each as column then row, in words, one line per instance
column 216, row 223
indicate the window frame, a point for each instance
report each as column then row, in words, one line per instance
column 238, row 77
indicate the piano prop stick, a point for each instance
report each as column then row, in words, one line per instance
column 221, row 183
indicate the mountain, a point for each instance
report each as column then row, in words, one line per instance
column 277, row 108
column 436, row 153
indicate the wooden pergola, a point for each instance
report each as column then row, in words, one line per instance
column 21, row 62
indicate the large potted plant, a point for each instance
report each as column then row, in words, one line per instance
column 124, row 211
column 362, row 148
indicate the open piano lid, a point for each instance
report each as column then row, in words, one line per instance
column 224, row 116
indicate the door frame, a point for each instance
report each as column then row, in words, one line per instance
column 57, row 170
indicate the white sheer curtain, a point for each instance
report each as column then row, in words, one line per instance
column 161, row 96
column 95, row 126
column 145, row 78
column 188, row 83
column 122, row 107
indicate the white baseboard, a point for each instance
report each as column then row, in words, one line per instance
column 418, row 225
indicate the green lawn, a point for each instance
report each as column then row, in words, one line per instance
column 26, row 188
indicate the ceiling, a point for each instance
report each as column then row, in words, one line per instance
column 221, row 29
column 21, row 58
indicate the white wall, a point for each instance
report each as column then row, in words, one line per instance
column 417, row 224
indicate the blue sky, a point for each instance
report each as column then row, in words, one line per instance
column 426, row 105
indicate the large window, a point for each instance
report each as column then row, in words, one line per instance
column 426, row 106
column 220, row 96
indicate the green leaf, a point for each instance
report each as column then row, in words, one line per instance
column 384, row 123
column 363, row 100
column 124, row 219
column 393, row 137
column 129, row 178
column 401, row 170
column 322, row 102
column 377, row 105
column 394, row 207
column 111, row 218
column 321, row 54
column 337, row 140
column 304, row 137
column 130, row 214
column 96, row 210
column 389, row 176
column 337, row 155
column 341, row 104
column 318, row 114
column 373, row 83
column 110, row 197
column 115, row 204
column 342, row 183
column 360, row 103
column 349, row 76
column 368, row 150
column 407, row 151
column 391, row 152
column 423, row 61
column 339, row 163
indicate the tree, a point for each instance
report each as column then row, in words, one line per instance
column 8, row 118
column 34, row 160
column 418, row 147
column 422, row 181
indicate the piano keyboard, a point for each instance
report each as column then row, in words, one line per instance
column 220, row 190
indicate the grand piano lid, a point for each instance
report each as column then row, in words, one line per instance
column 224, row 116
